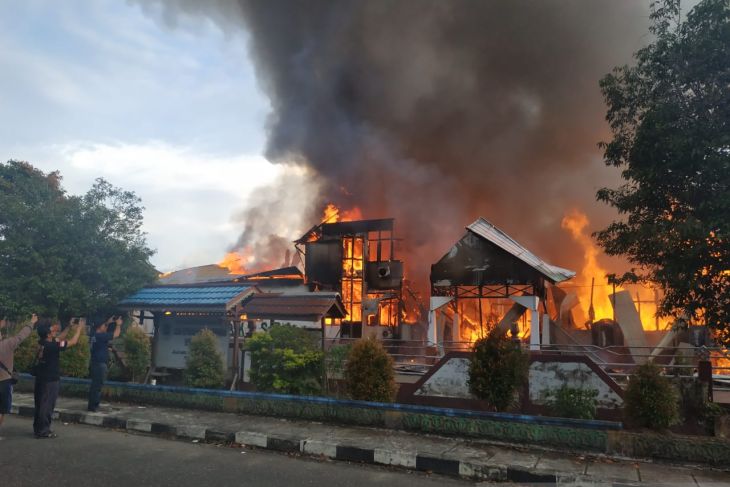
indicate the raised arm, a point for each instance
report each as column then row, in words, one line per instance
column 64, row 333
column 73, row 341
column 14, row 342
column 118, row 326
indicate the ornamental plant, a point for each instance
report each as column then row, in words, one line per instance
column 369, row 374
column 651, row 401
column 137, row 352
column 497, row 369
column 74, row 361
column 25, row 354
column 204, row 362
column 574, row 402
column 286, row 359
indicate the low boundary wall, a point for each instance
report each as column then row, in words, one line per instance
column 569, row 434
column 564, row 434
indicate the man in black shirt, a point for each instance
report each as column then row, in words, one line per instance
column 48, row 373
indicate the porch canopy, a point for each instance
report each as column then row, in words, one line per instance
column 311, row 307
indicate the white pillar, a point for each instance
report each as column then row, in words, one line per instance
column 534, row 330
column 531, row 303
column 433, row 331
column 545, row 329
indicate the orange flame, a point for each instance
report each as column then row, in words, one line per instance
column 236, row 262
column 576, row 223
column 332, row 214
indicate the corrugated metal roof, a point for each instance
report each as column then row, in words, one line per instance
column 184, row 296
column 488, row 231
column 199, row 275
column 293, row 305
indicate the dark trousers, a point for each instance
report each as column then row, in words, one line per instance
column 97, row 372
column 44, row 395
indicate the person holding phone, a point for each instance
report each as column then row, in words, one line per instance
column 7, row 349
column 98, row 365
column 48, row 371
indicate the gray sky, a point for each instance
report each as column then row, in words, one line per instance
column 100, row 89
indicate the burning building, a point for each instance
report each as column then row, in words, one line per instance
column 357, row 260
column 488, row 280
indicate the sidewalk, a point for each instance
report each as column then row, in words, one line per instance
column 444, row 455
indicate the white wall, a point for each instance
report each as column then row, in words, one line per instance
column 550, row 376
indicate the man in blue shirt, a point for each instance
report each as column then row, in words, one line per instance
column 98, row 367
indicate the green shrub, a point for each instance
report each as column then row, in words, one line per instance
column 137, row 354
column 651, row 400
column 572, row 402
column 335, row 360
column 286, row 359
column 204, row 364
column 369, row 374
column 497, row 369
column 74, row 361
column 25, row 354
column 117, row 371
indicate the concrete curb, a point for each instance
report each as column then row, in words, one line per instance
column 472, row 468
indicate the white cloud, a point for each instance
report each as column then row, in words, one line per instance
column 193, row 200
column 164, row 167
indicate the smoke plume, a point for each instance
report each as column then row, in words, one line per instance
column 436, row 112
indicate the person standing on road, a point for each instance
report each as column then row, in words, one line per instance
column 7, row 350
column 48, row 372
column 98, row 366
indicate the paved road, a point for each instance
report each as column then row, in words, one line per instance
column 88, row 456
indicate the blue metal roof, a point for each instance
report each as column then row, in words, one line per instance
column 184, row 296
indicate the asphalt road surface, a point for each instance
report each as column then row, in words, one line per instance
column 89, row 456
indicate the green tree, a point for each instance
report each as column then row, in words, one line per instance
column 204, row 366
column 497, row 369
column 286, row 359
column 64, row 255
column 137, row 352
column 369, row 373
column 670, row 119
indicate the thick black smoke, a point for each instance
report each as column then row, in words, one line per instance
column 438, row 111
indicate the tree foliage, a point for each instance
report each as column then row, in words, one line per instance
column 63, row 255
column 369, row 373
column 286, row 359
column 497, row 369
column 204, row 364
column 670, row 119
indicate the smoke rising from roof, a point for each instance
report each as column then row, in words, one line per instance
column 436, row 112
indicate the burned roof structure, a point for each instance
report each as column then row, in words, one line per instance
column 487, row 257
